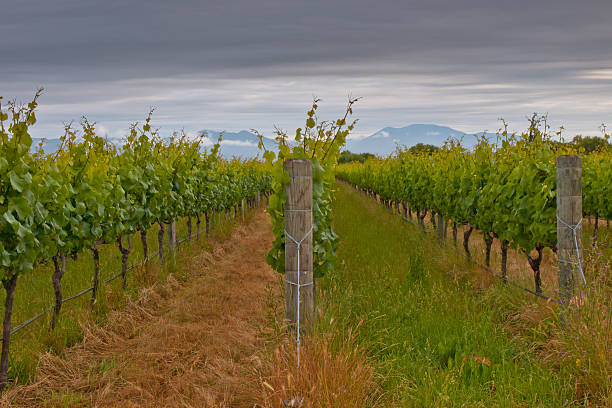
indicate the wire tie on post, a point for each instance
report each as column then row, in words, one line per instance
column 299, row 285
column 578, row 257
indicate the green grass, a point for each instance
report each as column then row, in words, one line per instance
column 35, row 293
column 426, row 327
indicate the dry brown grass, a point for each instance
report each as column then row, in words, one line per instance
column 176, row 346
column 334, row 372
column 207, row 342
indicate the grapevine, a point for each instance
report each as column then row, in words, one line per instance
column 505, row 188
column 320, row 142
column 90, row 193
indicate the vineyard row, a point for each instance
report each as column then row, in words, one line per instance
column 506, row 189
column 91, row 192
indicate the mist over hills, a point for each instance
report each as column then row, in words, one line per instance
column 383, row 142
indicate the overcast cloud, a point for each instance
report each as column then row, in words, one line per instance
column 255, row 63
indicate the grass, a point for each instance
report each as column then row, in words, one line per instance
column 334, row 372
column 437, row 336
column 518, row 269
column 177, row 344
column 35, row 293
column 403, row 323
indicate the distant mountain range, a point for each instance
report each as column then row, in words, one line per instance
column 385, row 140
column 244, row 143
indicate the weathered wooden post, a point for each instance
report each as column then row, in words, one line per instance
column 171, row 230
column 440, row 225
column 569, row 224
column 242, row 208
column 299, row 279
column 172, row 240
column 299, row 284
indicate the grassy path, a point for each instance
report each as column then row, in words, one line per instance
column 192, row 342
column 436, row 338
column 35, row 293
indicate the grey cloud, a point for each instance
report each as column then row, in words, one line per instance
column 241, row 64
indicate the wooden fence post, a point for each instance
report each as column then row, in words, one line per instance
column 440, row 225
column 569, row 227
column 298, row 229
column 172, row 240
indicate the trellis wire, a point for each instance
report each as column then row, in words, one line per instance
column 491, row 271
column 89, row 289
column 298, row 285
column 578, row 257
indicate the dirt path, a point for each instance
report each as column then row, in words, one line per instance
column 191, row 344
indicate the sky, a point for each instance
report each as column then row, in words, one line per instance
column 233, row 65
